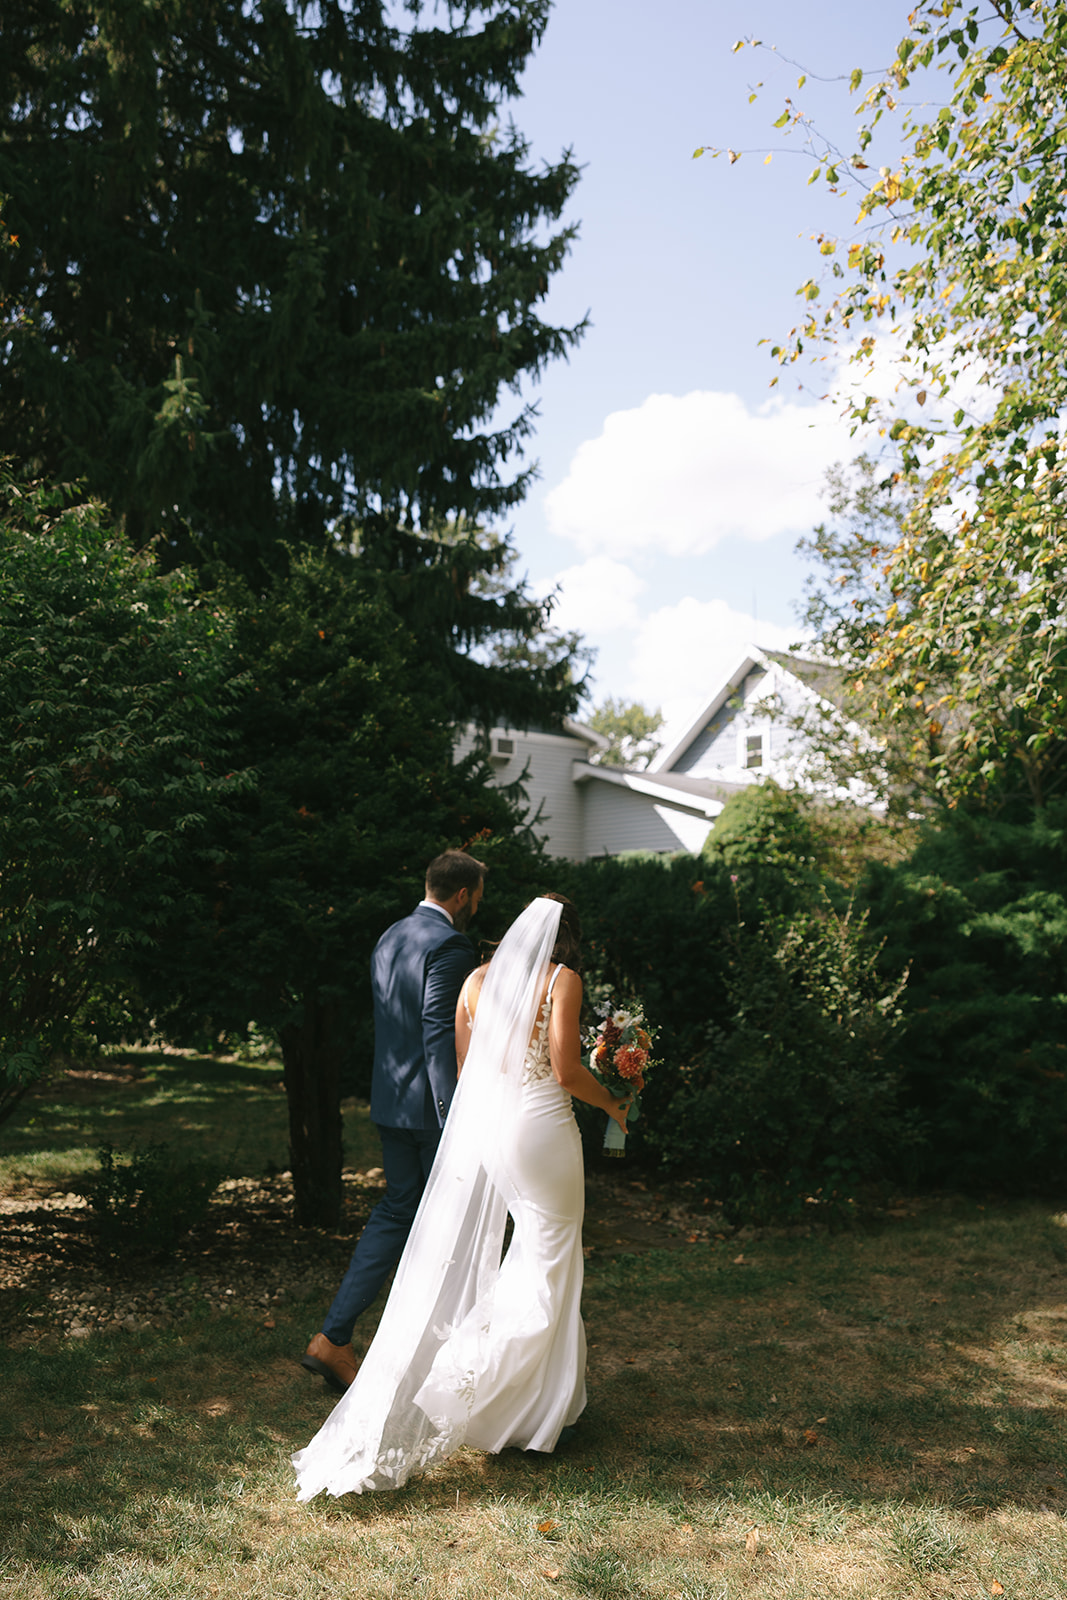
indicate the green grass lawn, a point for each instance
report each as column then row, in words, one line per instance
column 218, row 1108
column 880, row 1413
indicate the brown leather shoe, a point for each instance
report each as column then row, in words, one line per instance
column 336, row 1363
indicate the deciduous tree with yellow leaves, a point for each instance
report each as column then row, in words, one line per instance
column 958, row 270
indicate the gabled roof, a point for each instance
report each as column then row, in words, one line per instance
column 815, row 677
column 827, row 681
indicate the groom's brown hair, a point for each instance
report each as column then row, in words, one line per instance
column 452, row 871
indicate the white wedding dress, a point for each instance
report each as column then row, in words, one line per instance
column 473, row 1349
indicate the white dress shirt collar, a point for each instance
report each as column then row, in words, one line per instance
column 434, row 906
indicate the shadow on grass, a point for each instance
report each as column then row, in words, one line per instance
column 229, row 1112
column 825, row 1378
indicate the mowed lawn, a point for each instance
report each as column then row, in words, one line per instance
column 879, row 1412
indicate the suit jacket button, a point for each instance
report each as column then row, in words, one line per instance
column 441, row 1107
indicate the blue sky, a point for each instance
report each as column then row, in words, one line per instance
column 674, row 481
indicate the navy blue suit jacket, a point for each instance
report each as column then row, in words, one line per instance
column 417, row 971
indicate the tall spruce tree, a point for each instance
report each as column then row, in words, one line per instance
column 346, row 726
column 277, row 262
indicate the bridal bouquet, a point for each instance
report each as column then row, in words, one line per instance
column 619, row 1057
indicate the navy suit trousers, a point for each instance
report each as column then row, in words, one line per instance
column 407, row 1156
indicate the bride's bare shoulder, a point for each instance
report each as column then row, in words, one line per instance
column 567, row 984
column 476, row 978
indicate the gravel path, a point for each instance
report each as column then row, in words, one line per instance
column 246, row 1259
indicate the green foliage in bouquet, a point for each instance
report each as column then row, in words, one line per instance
column 143, row 1203
column 980, row 912
column 795, row 1100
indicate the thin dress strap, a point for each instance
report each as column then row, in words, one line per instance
column 552, row 982
column 466, row 1002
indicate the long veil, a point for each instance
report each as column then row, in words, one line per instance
column 408, row 1405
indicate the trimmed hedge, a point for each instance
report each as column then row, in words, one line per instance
column 792, row 1061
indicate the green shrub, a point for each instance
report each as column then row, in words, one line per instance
column 653, row 930
column 980, row 911
column 793, row 846
column 783, row 1063
column 147, row 1200
column 795, row 1099
column 772, row 1026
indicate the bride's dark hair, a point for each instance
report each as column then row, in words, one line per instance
column 568, row 946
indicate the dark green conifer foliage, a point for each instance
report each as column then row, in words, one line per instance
column 345, row 724
column 277, row 262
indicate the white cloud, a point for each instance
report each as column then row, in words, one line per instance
column 680, row 473
column 683, row 653
column 597, row 595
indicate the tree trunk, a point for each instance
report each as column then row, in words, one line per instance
column 311, row 1054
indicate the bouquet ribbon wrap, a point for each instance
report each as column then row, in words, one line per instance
column 614, row 1139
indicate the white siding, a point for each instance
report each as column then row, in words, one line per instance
column 690, row 831
column 618, row 819
column 719, row 752
column 547, row 759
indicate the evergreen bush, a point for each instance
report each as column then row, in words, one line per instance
column 791, row 1059
column 980, row 912
column 772, row 1023
column 795, row 1101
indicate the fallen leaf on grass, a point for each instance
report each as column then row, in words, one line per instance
column 548, row 1526
column 822, row 1419
column 551, row 1573
column 810, row 1438
column 269, row 1322
column 751, row 1541
column 996, row 1588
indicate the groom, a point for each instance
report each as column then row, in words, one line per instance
column 417, row 971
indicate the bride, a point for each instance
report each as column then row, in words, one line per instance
column 472, row 1349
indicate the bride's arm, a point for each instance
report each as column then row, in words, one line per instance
column 466, row 1006
column 565, row 1050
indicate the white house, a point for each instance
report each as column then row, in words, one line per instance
column 747, row 731
column 582, row 809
